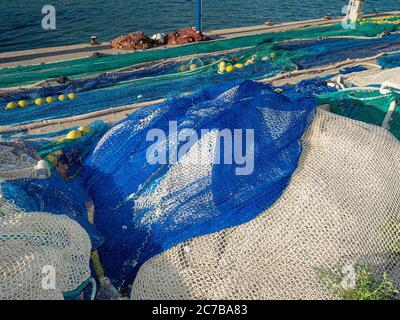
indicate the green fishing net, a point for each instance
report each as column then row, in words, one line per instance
column 94, row 65
column 366, row 105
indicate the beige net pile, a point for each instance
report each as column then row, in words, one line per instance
column 374, row 77
column 41, row 255
column 345, row 190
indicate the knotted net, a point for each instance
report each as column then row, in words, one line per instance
column 335, row 211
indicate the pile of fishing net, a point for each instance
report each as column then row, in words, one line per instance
column 16, row 152
column 390, row 61
column 43, row 256
column 185, row 36
column 375, row 77
column 63, row 193
column 144, row 208
column 323, row 196
column 340, row 211
column 133, row 41
column 55, row 195
column 367, row 104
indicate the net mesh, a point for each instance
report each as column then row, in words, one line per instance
column 390, row 61
column 167, row 79
column 16, row 161
column 345, row 190
column 61, row 194
column 374, row 77
column 33, row 245
column 367, row 105
column 144, row 208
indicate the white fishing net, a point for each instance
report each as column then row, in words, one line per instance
column 42, row 256
column 18, row 161
column 343, row 194
column 374, row 77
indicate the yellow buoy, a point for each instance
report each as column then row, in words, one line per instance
column 222, row 64
column 11, row 105
column 74, row 134
column 39, row 101
column 229, row 68
column 239, row 65
column 85, row 130
column 192, row 67
column 49, row 99
column 250, row 61
column 61, row 97
column 22, row 103
column 71, row 96
column 264, row 58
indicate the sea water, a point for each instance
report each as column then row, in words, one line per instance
column 78, row 20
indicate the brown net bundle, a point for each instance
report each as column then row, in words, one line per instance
column 133, row 41
column 339, row 210
column 185, row 36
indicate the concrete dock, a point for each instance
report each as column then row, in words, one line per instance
column 46, row 55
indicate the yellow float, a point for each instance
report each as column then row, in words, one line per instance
column 229, row 68
column 74, row 135
column 192, row 67
column 22, row 103
column 61, row 97
column 11, row 105
column 239, row 65
column 49, row 99
column 39, row 101
column 71, row 96
column 85, row 130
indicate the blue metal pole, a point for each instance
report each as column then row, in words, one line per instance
column 199, row 16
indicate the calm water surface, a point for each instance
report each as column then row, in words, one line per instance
column 77, row 20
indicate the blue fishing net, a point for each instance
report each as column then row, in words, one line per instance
column 331, row 51
column 58, row 195
column 143, row 209
column 164, row 80
column 98, row 82
column 153, row 70
column 54, row 195
column 133, row 93
column 353, row 69
column 314, row 87
column 390, row 61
